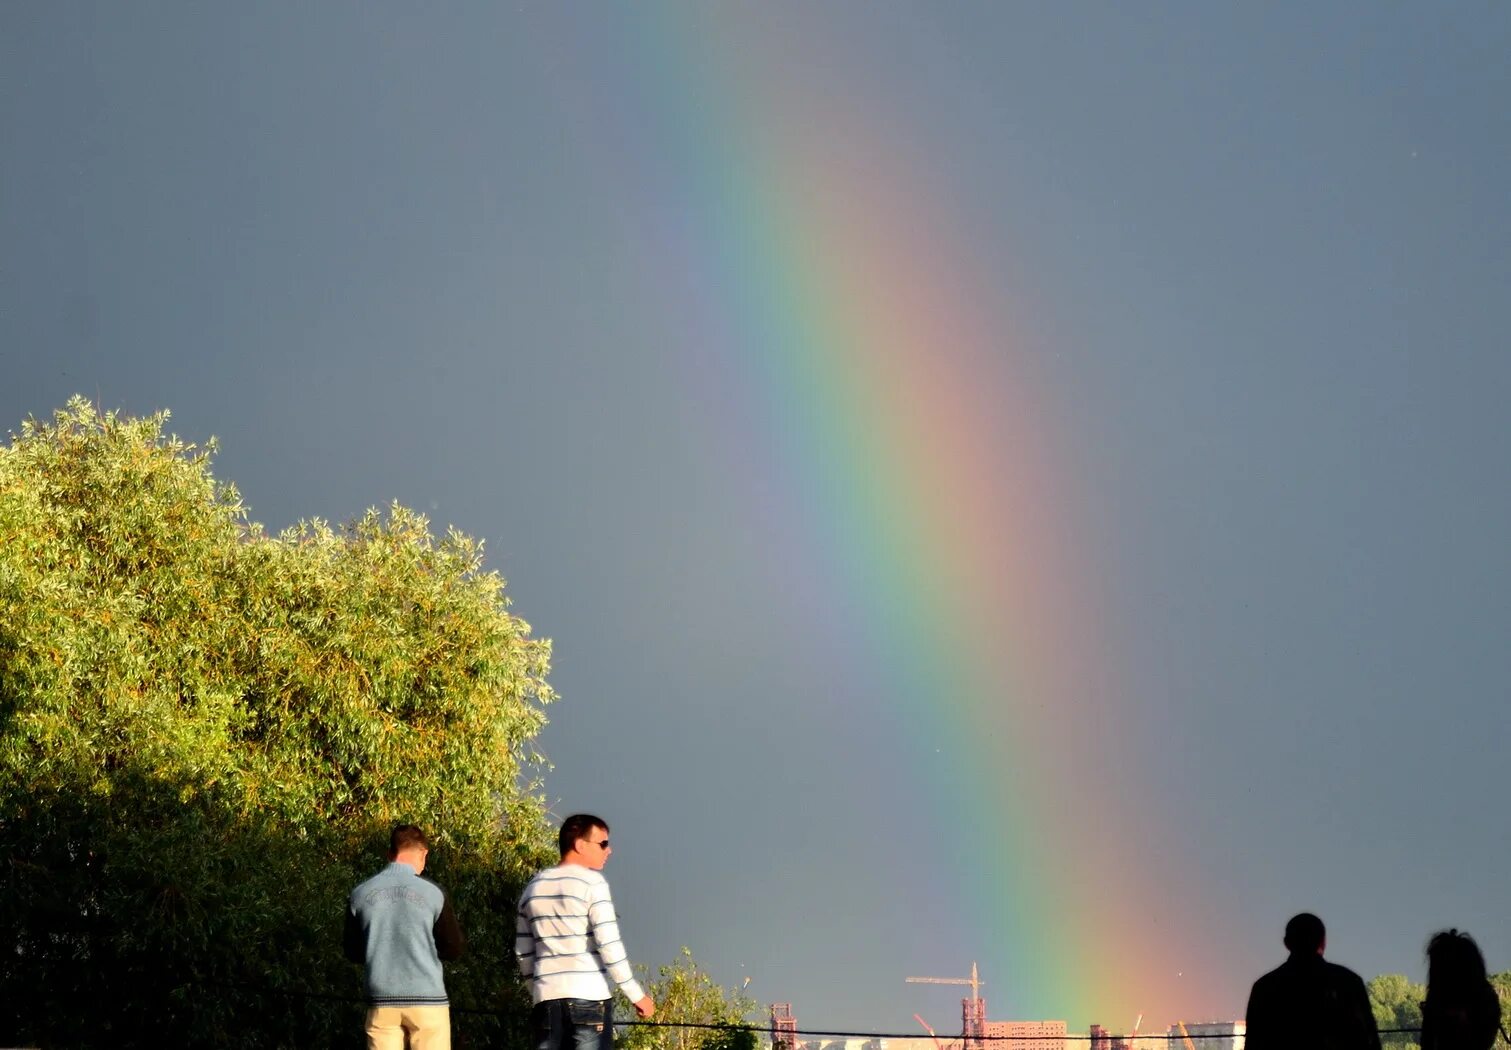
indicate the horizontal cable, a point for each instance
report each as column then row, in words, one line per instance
column 766, row 1029
column 1082, row 1037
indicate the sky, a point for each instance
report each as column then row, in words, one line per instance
column 1019, row 484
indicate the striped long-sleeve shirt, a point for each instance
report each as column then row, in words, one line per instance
column 567, row 937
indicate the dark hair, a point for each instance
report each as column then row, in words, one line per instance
column 1304, row 934
column 577, row 826
column 406, row 836
column 1453, row 962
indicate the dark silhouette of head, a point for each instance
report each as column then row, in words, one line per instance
column 1305, row 935
column 1454, row 962
column 577, row 826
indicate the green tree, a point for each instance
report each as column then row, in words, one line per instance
column 1397, row 1003
column 1502, row 984
column 686, row 994
column 206, row 732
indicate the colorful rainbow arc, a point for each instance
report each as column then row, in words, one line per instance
column 919, row 453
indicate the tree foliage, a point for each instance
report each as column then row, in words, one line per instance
column 1397, row 1003
column 686, row 994
column 206, row 732
column 1502, row 983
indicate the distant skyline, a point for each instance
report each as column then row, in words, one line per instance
column 1011, row 483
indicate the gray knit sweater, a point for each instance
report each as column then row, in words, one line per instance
column 401, row 926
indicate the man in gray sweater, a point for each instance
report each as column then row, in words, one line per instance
column 401, row 926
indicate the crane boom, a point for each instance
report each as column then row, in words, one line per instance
column 974, row 980
column 1186, row 1035
column 937, row 1044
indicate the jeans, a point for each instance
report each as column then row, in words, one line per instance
column 573, row 1024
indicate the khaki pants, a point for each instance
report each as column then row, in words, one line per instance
column 425, row 1027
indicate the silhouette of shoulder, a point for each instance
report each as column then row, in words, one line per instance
column 1309, row 973
column 1469, row 1025
column 1309, row 1002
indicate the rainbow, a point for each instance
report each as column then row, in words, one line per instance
column 924, row 458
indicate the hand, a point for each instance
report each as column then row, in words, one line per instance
column 645, row 1006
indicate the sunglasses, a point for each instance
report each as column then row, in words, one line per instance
column 601, row 843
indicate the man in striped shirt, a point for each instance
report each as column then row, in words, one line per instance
column 568, row 946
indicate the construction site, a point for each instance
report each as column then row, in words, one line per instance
column 976, row 1032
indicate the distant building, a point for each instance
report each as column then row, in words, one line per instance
column 1210, row 1035
column 1024, row 1035
column 1101, row 1039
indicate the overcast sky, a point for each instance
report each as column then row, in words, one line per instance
column 1244, row 271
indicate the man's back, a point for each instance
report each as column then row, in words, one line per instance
column 392, row 923
column 1308, row 1003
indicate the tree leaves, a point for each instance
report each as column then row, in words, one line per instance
column 686, row 994
column 206, row 733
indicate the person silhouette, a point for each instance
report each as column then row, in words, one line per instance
column 1308, row 1003
column 1461, row 1011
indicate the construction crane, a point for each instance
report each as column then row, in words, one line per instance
column 937, row 1044
column 1185, row 1035
column 1133, row 1037
column 783, row 1027
column 973, row 980
column 972, row 1010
